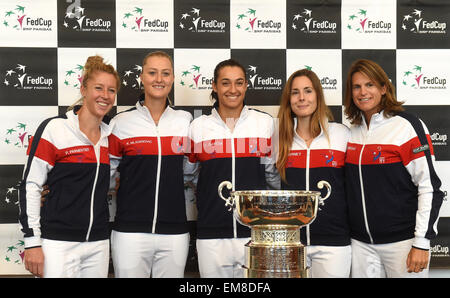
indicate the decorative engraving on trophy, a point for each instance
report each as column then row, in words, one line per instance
column 275, row 219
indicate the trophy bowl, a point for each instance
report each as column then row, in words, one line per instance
column 275, row 218
column 274, row 207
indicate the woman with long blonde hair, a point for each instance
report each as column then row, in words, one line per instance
column 311, row 148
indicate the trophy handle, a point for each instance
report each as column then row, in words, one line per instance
column 320, row 185
column 228, row 201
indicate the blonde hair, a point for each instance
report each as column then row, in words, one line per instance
column 158, row 54
column 286, row 116
column 94, row 64
column 161, row 54
column 374, row 72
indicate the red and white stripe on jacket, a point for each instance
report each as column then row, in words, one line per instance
column 393, row 189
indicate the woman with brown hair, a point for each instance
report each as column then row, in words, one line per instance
column 69, row 235
column 392, row 188
column 311, row 148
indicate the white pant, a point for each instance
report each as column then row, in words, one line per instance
column 75, row 259
column 145, row 254
column 221, row 258
column 382, row 260
column 329, row 261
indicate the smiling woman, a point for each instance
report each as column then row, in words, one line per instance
column 147, row 146
column 69, row 153
column 391, row 226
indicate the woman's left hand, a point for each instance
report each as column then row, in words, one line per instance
column 417, row 260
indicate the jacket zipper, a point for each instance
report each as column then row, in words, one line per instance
column 363, row 199
column 307, row 188
column 233, row 179
column 91, row 215
column 158, row 174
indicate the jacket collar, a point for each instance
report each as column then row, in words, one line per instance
column 216, row 116
column 297, row 137
column 72, row 117
column 146, row 113
column 376, row 120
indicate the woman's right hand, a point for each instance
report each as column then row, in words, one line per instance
column 34, row 261
column 44, row 192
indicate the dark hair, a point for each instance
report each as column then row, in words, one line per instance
column 224, row 63
column 373, row 71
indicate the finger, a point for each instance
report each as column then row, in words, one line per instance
column 40, row 270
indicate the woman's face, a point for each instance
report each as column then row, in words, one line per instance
column 157, row 77
column 99, row 93
column 303, row 97
column 366, row 94
column 230, row 87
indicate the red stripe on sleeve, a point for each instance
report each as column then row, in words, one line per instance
column 46, row 151
column 115, row 145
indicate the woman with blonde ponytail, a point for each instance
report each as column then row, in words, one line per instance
column 311, row 148
column 69, row 235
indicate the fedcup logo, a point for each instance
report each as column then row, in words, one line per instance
column 259, row 82
column 414, row 77
column 249, row 21
column 135, row 20
column 17, row 18
column 328, row 83
column 78, row 19
column 74, row 76
column 12, row 195
column 193, row 78
column 304, row 22
column 361, row 22
column 193, row 21
column 17, row 135
column 414, row 22
column 440, row 250
column 14, row 252
column 19, row 77
column 439, row 139
column 132, row 77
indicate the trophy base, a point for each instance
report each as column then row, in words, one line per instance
column 254, row 273
column 275, row 261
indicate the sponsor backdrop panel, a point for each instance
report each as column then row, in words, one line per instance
column 28, row 76
column 421, row 80
column 313, row 25
column 427, row 21
column 368, row 24
column 34, row 20
column 144, row 24
column 44, row 45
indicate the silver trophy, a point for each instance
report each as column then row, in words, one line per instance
column 275, row 218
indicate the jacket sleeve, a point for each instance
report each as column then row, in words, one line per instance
column 115, row 156
column 41, row 160
column 419, row 161
column 273, row 179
